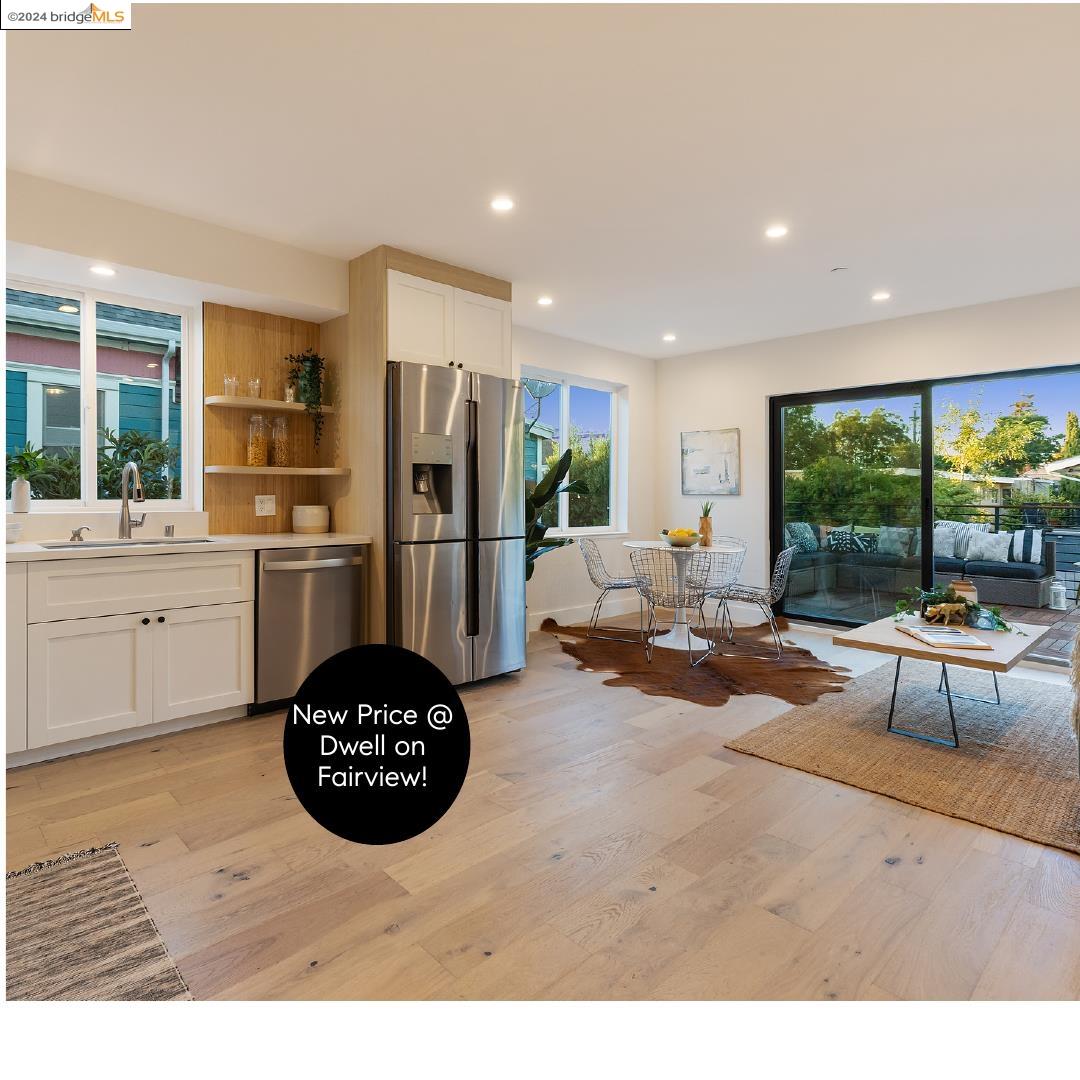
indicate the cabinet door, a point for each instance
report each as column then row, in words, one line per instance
column 88, row 677
column 482, row 334
column 16, row 657
column 420, row 320
column 204, row 659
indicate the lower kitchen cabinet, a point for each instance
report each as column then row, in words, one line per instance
column 94, row 676
column 88, row 677
column 204, row 659
column 16, row 658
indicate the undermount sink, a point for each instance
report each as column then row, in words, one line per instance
column 141, row 542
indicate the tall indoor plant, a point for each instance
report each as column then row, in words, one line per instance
column 547, row 490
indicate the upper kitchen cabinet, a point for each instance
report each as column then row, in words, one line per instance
column 420, row 319
column 482, row 333
column 430, row 322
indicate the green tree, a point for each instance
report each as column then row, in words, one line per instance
column 590, row 464
column 805, row 438
column 1020, row 440
column 878, row 438
column 1071, row 446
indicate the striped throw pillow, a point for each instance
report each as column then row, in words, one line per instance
column 1026, row 546
column 962, row 531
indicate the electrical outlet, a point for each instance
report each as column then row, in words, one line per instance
column 265, row 505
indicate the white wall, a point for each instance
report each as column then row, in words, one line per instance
column 560, row 586
column 731, row 387
column 60, row 218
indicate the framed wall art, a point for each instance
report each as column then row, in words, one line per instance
column 710, row 462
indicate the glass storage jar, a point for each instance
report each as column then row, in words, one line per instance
column 279, row 442
column 257, row 440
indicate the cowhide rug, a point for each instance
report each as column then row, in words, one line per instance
column 749, row 667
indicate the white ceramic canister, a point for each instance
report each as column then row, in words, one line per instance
column 311, row 519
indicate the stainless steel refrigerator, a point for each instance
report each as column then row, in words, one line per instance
column 456, row 519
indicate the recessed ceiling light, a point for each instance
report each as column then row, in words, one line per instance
column 501, row 203
column 775, row 232
column 68, row 309
column 103, row 271
column 152, row 364
column 880, row 295
column 669, row 337
column 544, row 301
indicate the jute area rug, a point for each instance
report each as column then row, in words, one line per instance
column 748, row 667
column 78, row 930
column 1015, row 769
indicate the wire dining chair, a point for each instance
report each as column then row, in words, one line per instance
column 660, row 585
column 607, row 582
column 763, row 598
column 724, row 567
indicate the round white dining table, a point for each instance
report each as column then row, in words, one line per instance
column 679, row 635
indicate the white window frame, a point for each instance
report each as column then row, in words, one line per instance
column 190, row 391
column 619, row 413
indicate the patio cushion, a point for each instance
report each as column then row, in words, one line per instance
column 1026, row 546
column 1019, row 571
column 866, row 558
column 801, row 536
column 812, row 558
column 944, row 564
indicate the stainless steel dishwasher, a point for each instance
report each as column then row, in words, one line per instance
column 309, row 605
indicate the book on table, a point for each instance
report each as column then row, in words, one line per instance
column 944, row 637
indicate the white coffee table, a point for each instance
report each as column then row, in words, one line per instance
column 679, row 635
column 1008, row 649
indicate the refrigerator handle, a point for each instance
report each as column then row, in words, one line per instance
column 472, row 522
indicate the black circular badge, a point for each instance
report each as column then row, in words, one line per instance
column 376, row 744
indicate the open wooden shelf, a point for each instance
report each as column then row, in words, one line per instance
column 270, row 470
column 227, row 401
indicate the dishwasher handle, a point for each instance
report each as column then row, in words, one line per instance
column 314, row 564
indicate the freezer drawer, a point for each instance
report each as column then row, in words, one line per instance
column 309, row 605
column 430, row 606
column 499, row 645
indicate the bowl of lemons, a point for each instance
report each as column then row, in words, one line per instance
column 681, row 537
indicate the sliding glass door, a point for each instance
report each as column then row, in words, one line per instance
column 848, row 496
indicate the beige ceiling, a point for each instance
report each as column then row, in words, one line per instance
column 933, row 151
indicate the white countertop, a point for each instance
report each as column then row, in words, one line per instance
column 34, row 552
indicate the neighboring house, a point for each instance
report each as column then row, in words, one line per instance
column 138, row 362
column 539, row 443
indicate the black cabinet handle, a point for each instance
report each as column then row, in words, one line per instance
column 146, row 622
column 161, row 618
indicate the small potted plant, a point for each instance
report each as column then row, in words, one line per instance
column 24, row 466
column 306, row 378
column 705, row 524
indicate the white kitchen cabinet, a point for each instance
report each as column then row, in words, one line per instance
column 420, row 319
column 204, row 659
column 16, row 657
column 84, row 588
column 432, row 323
column 88, row 677
column 482, row 334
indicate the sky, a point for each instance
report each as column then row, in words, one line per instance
column 1054, row 396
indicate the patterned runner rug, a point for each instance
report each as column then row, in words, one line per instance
column 78, row 930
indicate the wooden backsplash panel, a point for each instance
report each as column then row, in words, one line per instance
column 252, row 344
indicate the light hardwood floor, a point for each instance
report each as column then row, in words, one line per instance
column 606, row 845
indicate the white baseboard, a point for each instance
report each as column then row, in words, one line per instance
column 117, row 738
column 614, row 606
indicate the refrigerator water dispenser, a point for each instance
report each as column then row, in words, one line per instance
column 432, row 473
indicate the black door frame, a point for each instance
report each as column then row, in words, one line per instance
column 921, row 388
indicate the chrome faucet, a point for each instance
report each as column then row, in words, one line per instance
column 127, row 522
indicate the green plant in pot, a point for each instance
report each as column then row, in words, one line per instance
column 306, row 377
column 26, row 469
column 547, row 491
